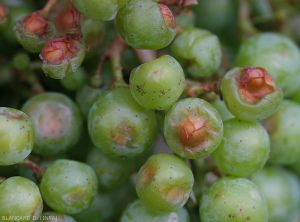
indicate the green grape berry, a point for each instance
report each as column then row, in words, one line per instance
column 200, row 50
column 146, row 24
column 68, row 186
column 193, row 128
column 284, row 205
column 277, row 54
column 55, row 217
column 137, row 212
column 250, row 93
column 245, row 148
column 86, row 96
column 100, row 10
column 61, row 56
column 164, row 183
column 21, row 61
column 57, row 122
column 222, row 109
column 74, row 80
column 17, row 136
column 158, row 83
column 237, row 200
column 119, row 126
column 284, row 128
column 111, row 173
column 19, row 198
column 33, row 31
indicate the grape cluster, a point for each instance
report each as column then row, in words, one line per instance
column 150, row 110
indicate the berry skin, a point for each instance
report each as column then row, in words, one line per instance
column 282, row 206
column 164, row 183
column 17, row 136
column 111, row 173
column 105, row 10
column 146, row 24
column 86, row 96
column 284, row 128
column 222, row 109
column 233, row 200
column 74, row 80
column 57, row 122
column 119, row 126
column 200, row 50
column 158, row 83
column 137, row 212
column 250, row 93
column 32, row 32
column 244, row 149
column 68, row 186
column 19, row 197
column 193, row 128
column 61, row 56
column 277, row 54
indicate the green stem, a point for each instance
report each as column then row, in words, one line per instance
column 246, row 26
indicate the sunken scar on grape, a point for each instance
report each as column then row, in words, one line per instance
column 12, row 116
column 75, row 196
column 54, row 120
column 176, row 195
column 123, row 134
column 254, row 84
column 194, row 132
column 147, row 175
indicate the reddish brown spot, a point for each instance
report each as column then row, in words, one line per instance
column 13, row 116
column 67, row 19
column 3, row 12
column 147, row 174
column 122, row 135
column 167, row 15
column 54, row 120
column 59, row 50
column 175, row 195
column 255, row 83
column 35, row 24
column 192, row 131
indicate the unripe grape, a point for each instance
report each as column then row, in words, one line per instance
column 111, row 173
column 57, row 122
column 17, row 136
column 282, row 206
column 119, row 126
column 193, row 128
column 61, row 56
column 68, row 186
column 19, row 198
column 137, row 212
column 21, row 61
column 250, row 93
column 86, row 96
column 284, row 128
column 74, row 80
column 32, row 32
column 146, row 24
column 277, row 54
column 164, row 183
column 158, row 83
column 100, row 10
column 200, row 49
column 244, row 149
column 237, row 200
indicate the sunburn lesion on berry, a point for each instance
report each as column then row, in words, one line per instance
column 147, row 175
column 176, row 195
column 254, row 84
column 123, row 135
column 35, row 24
column 167, row 16
column 3, row 12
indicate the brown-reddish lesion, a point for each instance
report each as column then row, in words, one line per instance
column 167, row 16
column 35, row 24
column 3, row 12
column 254, row 84
column 12, row 116
column 67, row 19
column 146, row 175
column 61, row 49
column 192, row 130
column 175, row 195
column 123, row 135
